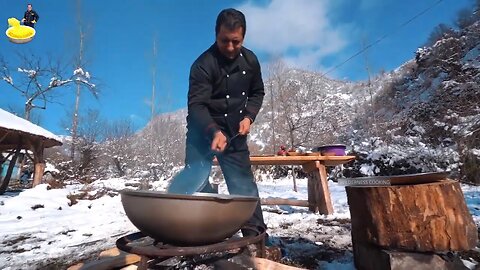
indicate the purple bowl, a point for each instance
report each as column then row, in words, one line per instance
column 332, row 150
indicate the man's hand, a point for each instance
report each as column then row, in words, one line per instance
column 34, row 21
column 219, row 142
column 23, row 20
column 244, row 128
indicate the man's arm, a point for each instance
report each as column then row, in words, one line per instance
column 36, row 17
column 256, row 93
column 199, row 94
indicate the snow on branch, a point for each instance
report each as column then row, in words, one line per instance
column 8, row 79
column 83, row 77
column 80, row 72
column 31, row 73
column 92, row 85
column 55, row 82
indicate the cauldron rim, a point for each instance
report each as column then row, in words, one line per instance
column 195, row 196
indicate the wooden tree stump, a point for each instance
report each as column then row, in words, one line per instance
column 429, row 217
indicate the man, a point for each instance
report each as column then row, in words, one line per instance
column 225, row 95
column 30, row 18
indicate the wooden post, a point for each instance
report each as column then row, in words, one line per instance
column 312, row 199
column 282, row 201
column 318, row 191
column 6, row 180
column 39, row 163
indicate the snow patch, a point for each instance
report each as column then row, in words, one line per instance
column 13, row 122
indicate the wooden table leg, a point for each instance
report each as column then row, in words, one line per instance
column 312, row 190
column 318, row 191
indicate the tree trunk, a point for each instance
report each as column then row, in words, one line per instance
column 430, row 217
column 294, row 179
column 75, row 125
column 77, row 94
column 28, row 108
column 118, row 166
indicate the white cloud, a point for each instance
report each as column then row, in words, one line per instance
column 299, row 31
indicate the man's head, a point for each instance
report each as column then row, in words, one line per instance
column 29, row 7
column 230, row 32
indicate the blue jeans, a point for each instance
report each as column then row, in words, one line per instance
column 235, row 165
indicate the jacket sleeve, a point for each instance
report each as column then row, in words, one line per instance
column 199, row 95
column 36, row 16
column 256, row 93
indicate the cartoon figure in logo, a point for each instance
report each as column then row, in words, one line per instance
column 30, row 18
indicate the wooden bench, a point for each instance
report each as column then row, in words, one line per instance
column 315, row 166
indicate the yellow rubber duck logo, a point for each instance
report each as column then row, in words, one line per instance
column 17, row 33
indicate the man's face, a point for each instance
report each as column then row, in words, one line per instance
column 29, row 7
column 230, row 42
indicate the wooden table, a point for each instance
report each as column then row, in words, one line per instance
column 315, row 166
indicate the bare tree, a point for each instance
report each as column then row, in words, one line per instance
column 36, row 80
column 292, row 96
column 296, row 102
column 465, row 18
column 167, row 133
column 276, row 73
column 438, row 32
column 90, row 133
column 118, row 137
column 79, row 70
column 370, row 92
column 277, row 80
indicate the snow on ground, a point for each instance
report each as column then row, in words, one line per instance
column 39, row 229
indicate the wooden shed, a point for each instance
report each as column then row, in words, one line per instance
column 16, row 134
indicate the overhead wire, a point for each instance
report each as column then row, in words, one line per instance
column 382, row 37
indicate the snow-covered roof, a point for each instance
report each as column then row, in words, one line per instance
column 12, row 122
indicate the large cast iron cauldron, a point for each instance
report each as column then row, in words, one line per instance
column 197, row 219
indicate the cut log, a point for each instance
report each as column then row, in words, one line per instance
column 106, row 263
column 111, row 252
column 130, row 267
column 429, row 217
column 264, row 264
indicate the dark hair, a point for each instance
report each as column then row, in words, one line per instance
column 231, row 19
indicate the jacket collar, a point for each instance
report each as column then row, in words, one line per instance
column 223, row 59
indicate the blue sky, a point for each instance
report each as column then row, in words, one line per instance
column 311, row 34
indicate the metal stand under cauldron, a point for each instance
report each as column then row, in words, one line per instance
column 155, row 252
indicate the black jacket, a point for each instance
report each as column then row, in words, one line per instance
column 29, row 16
column 222, row 92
